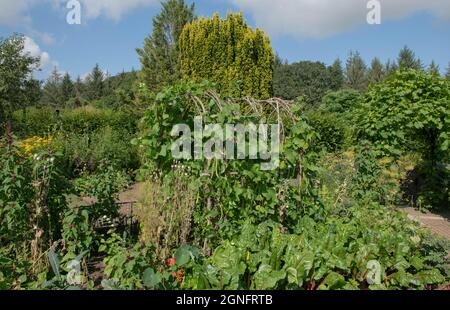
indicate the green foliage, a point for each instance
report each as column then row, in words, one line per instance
column 95, row 84
column 337, row 75
column 311, row 80
column 408, row 112
column 367, row 184
column 125, row 264
column 376, row 72
column 432, row 186
column 232, row 192
column 344, row 101
column 77, row 232
column 433, row 68
column 101, row 148
column 52, row 92
column 15, row 85
column 60, row 280
column 407, row 60
column 159, row 56
column 104, row 187
column 227, row 52
column 330, row 128
column 31, row 194
column 341, row 253
column 332, row 120
column 355, row 74
column 42, row 121
column 32, row 200
column 120, row 93
column 447, row 75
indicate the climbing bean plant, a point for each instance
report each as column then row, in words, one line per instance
column 233, row 191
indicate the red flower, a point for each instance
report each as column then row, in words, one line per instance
column 171, row 261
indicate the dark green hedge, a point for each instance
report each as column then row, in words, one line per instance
column 41, row 121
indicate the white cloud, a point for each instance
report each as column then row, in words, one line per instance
column 112, row 9
column 30, row 47
column 297, row 18
column 322, row 18
column 14, row 12
column 47, row 38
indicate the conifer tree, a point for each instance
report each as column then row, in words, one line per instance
column 447, row 75
column 159, row 56
column 79, row 90
column 407, row 59
column 52, row 93
column 336, row 75
column 67, row 87
column 390, row 67
column 433, row 68
column 95, row 84
column 228, row 52
column 356, row 72
column 376, row 72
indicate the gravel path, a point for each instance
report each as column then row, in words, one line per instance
column 437, row 223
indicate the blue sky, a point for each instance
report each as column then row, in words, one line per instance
column 323, row 30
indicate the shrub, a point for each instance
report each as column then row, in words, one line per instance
column 90, row 151
column 124, row 263
column 42, row 121
column 342, row 101
column 227, row 52
column 34, row 122
column 410, row 112
column 331, row 130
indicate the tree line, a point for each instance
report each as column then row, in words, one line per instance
column 182, row 47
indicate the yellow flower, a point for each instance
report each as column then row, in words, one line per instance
column 34, row 144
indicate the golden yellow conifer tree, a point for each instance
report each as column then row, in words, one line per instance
column 229, row 53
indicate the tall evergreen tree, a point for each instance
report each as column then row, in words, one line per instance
column 67, row 87
column 447, row 75
column 390, row 67
column 52, row 93
column 407, row 59
column 336, row 75
column 279, row 62
column 227, row 51
column 79, row 92
column 34, row 91
column 159, row 56
column 376, row 72
column 356, row 72
column 433, row 68
column 95, row 84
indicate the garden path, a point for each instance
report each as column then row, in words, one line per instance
column 438, row 223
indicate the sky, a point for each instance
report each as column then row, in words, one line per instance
column 318, row 30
